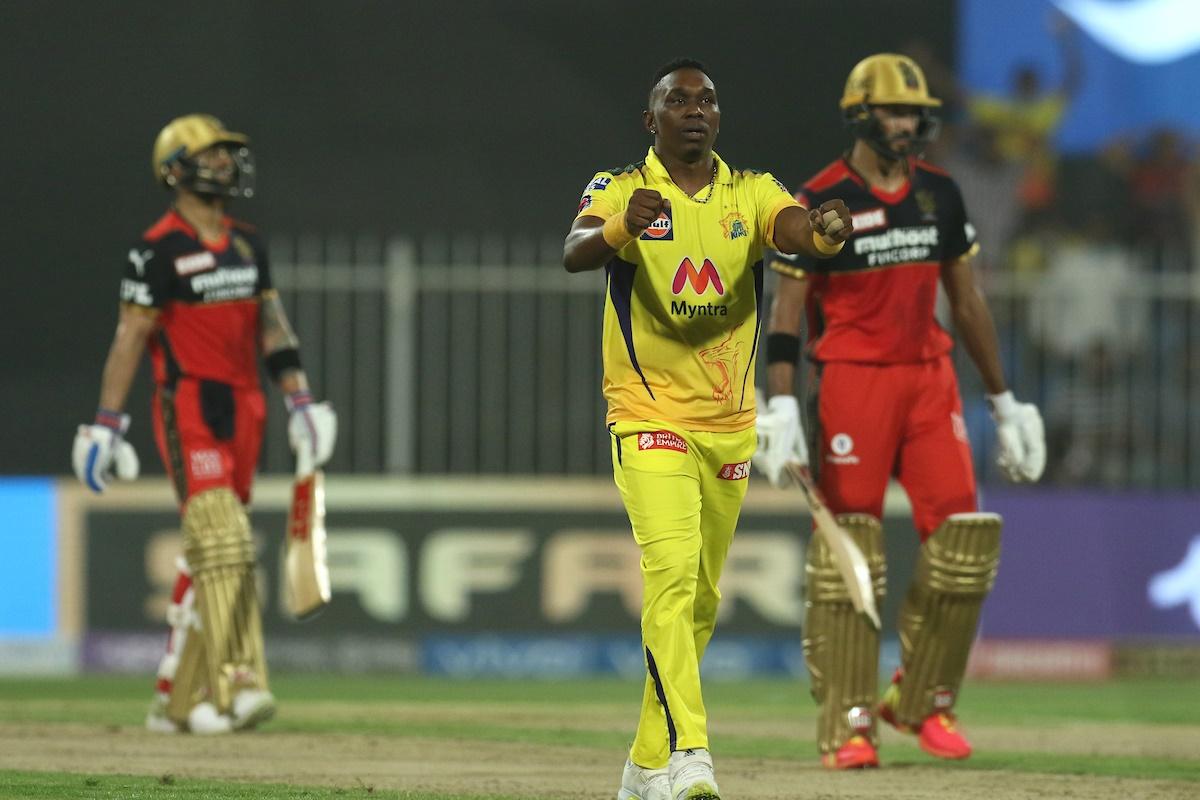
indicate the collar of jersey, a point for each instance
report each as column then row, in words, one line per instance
column 177, row 222
column 655, row 167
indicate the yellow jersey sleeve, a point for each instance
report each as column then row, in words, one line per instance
column 602, row 197
column 770, row 198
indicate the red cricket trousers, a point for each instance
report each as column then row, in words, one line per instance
column 880, row 420
column 209, row 435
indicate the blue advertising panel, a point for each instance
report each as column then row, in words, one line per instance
column 1089, row 564
column 1140, row 61
column 28, row 575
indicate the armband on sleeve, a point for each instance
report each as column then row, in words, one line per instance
column 783, row 347
column 281, row 361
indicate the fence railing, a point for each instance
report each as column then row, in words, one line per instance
column 482, row 355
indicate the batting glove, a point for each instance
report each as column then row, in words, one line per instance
column 1021, row 438
column 312, row 431
column 100, row 452
column 780, row 440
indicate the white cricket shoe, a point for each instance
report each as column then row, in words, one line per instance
column 251, row 707
column 157, row 720
column 204, row 720
column 643, row 783
column 692, row 775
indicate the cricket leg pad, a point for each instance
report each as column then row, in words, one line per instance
column 955, row 572
column 220, row 551
column 841, row 646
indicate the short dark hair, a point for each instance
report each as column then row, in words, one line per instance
column 671, row 66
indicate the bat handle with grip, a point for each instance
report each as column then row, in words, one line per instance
column 305, row 462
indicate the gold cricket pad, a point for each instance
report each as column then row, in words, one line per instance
column 189, row 685
column 841, row 646
column 306, row 567
column 219, row 549
column 955, row 571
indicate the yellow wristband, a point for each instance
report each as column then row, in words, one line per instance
column 828, row 250
column 615, row 232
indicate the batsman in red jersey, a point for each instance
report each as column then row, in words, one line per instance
column 197, row 290
column 885, row 403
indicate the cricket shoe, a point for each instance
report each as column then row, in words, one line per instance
column 938, row 733
column 692, row 775
column 252, row 707
column 205, row 720
column 856, row 753
column 157, row 720
column 643, row 783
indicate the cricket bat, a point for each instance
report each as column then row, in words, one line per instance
column 850, row 561
column 305, row 566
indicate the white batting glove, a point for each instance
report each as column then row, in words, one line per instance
column 1021, row 437
column 780, row 440
column 312, row 431
column 100, row 452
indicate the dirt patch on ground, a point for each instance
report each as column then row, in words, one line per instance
column 580, row 773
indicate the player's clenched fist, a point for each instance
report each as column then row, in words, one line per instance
column 645, row 206
column 831, row 221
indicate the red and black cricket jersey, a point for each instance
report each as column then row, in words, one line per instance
column 874, row 301
column 208, row 294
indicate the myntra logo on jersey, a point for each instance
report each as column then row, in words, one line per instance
column 227, row 283
column 898, row 245
column 700, row 281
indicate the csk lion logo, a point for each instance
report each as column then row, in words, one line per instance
column 724, row 359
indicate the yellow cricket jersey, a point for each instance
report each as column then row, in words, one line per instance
column 681, row 316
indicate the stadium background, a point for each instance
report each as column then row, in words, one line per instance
column 418, row 165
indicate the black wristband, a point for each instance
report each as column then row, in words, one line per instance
column 282, row 360
column 783, row 347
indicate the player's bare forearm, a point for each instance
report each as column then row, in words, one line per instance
column 797, row 229
column 133, row 329
column 793, row 232
column 585, row 248
column 787, row 317
column 274, row 331
column 292, row 381
column 973, row 321
column 593, row 241
column 276, row 336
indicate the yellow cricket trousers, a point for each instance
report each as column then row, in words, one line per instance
column 683, row 491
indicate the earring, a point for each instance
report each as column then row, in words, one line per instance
column 654, row 131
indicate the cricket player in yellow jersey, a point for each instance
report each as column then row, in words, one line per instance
column 681, row 236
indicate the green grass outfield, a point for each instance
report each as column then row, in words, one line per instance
column 541, row 712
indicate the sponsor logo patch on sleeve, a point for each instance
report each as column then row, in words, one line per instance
column 661, row 440
column 136, row 292
column 735, row 472
column 584, row 202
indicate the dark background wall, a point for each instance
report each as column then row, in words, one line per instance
column 366, row 118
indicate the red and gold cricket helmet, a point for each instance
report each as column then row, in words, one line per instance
column 184, row 138
column 887, row 79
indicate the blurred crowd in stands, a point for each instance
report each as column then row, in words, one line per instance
column 1089, row 264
